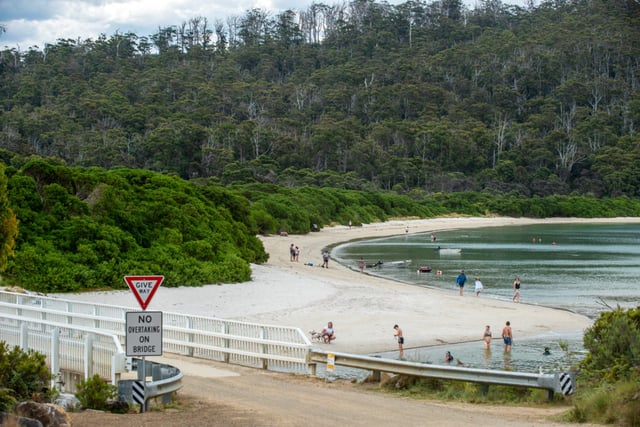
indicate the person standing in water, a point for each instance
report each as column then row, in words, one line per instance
column 486, row 337
column 400, row 338
column 507, row 337
column 516, row 290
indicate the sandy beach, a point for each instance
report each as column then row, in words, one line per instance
column 363, row 308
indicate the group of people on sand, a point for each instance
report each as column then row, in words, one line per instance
column 462, row 279
column 294, row 252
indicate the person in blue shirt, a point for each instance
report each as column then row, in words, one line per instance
column 460, row 280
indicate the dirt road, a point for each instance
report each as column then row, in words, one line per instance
column 216, row 394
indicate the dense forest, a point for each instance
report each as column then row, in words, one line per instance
column 433, row 97
column 169, row 153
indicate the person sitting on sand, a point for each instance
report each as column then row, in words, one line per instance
column 328, row 334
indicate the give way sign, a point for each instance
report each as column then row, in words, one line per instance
column 143, row 287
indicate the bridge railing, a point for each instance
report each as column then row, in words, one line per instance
column 278, row 348
column 70, row 351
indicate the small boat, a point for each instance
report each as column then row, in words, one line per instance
column 449, row 251
column 424, row 269
column 381, row 263
column 398, row 263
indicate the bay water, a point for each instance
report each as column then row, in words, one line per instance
column 585, row 268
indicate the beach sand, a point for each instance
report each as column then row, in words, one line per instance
column 363, row 308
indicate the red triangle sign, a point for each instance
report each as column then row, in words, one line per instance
column 143, row 287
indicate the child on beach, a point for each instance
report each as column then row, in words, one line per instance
column 479, row 286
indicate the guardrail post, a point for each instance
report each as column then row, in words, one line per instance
column 190, row 336
column 18, row 304
column 225, row 343
column 24, row 336
column 484, row 389
column 55, row 356
column 96, row 313
column 265, row 350
column 88, row 356
column 70, row 310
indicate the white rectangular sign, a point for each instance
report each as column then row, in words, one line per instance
column 144, row 333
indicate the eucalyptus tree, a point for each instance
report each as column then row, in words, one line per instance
column 8, row 223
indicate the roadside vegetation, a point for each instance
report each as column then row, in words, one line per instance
column 24, row 375
column 73, row 229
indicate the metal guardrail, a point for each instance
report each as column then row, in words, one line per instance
column 557, row 382
column 166, row 380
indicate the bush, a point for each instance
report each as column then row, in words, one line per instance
column 617, row 404
column 610, row 371
column 95, row 393
column 22, row 374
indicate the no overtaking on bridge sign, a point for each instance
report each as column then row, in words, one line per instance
column 144, row 333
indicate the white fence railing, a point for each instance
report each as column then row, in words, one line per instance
column 278, row 348
column 68, row 350
column 263, row 346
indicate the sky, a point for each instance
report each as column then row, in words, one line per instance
column 36, row 22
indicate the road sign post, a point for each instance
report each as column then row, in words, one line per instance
column 144, row 329
column 144, row 338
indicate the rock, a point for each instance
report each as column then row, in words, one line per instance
column 68, row 401
column 10, row 420
column 48, row 414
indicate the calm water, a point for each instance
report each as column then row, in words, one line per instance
column 590, row 267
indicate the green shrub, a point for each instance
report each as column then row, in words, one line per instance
column 95, row 393
column 611, row 392
column 22, row 374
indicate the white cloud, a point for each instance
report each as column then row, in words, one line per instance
column 37, row 22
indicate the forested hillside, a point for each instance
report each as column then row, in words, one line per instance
column 423, row 96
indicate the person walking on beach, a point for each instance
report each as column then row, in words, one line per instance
column 460, row 280
column 516, row 290
column 400, row 337
column 325, row 259
column 361, row 265
column 479, row 286
column 507, row 337
column 486, row 337
column 292, row 252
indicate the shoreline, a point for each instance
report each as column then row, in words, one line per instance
column 363, row 307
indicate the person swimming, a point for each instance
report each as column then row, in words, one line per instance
column 547, row 351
